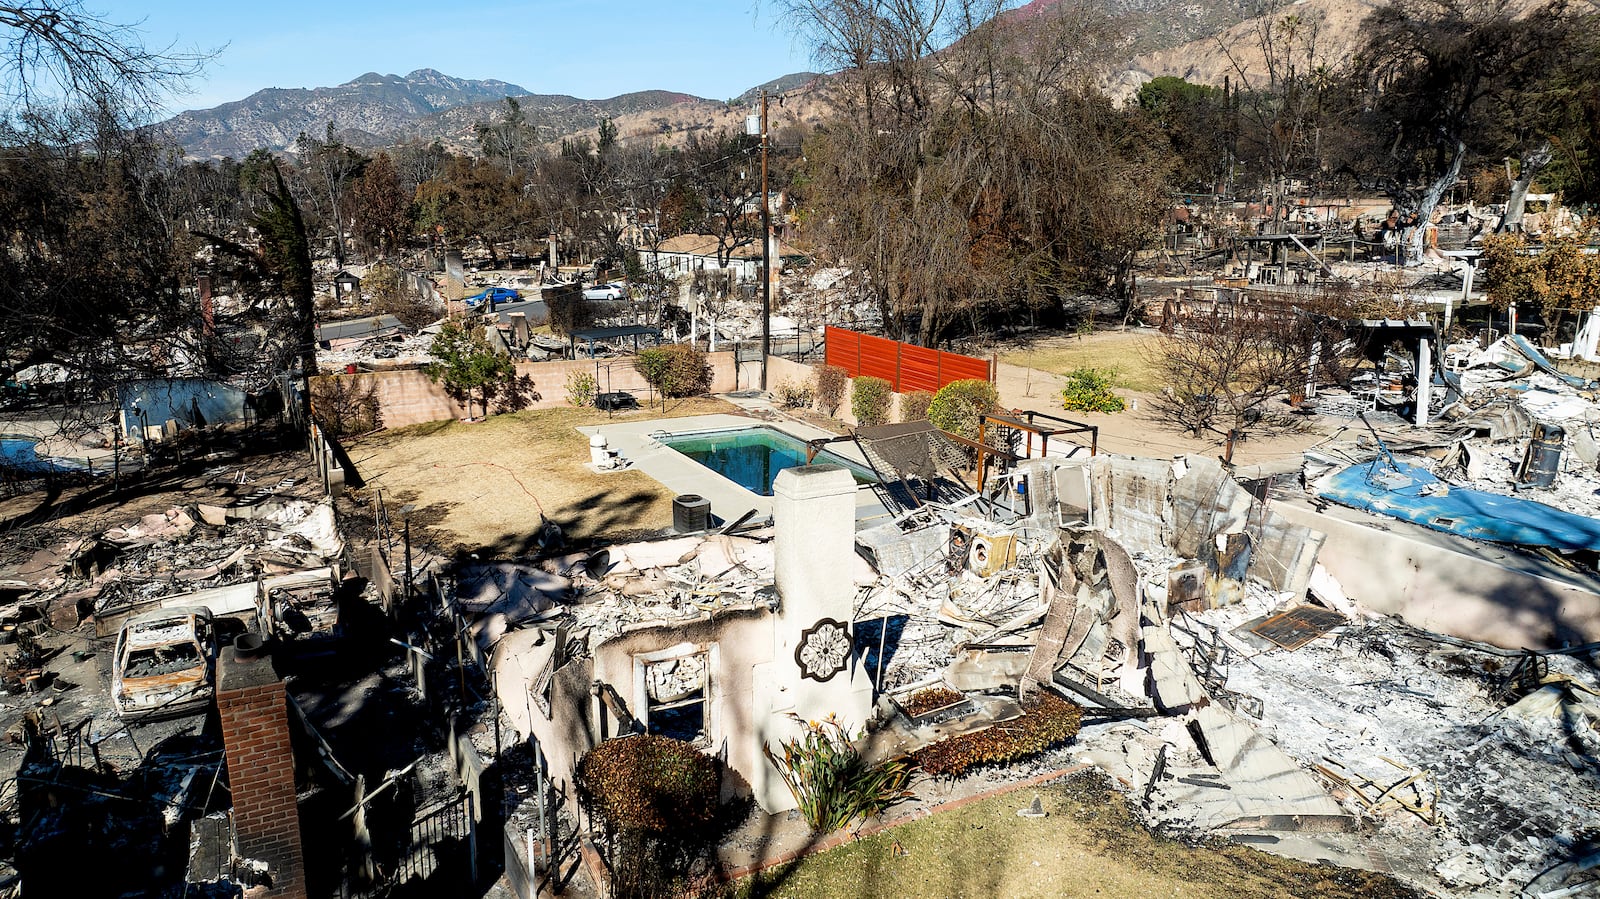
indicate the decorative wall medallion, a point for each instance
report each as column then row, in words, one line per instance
column 824, row 650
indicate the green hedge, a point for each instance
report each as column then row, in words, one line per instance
column 870, row 399
column 675, row 370
column 959, row 406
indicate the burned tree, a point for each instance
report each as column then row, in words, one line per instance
column 88, row 265
column 984, row 180
column 51, row 49
column 1227, row 367
column 1449, row 79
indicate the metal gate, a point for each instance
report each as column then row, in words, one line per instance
column 444, row 840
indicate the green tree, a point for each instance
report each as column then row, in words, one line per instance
column 467, row 366
column 1194, row 118
column 472, row 200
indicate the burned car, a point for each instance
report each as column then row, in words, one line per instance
column 165, row 664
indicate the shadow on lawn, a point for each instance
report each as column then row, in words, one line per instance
column 600, row 518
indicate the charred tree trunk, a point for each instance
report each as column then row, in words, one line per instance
column 1532, row 164
column 1429, row 199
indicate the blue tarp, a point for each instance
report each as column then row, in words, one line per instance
column 1411, row 493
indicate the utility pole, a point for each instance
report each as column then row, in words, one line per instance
column 766, row 251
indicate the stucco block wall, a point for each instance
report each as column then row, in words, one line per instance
column 780, row 370
column 409, row 396
column 1451, row 587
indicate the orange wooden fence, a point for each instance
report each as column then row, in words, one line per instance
column 904, row 365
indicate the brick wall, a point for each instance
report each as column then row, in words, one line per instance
column 255, row 735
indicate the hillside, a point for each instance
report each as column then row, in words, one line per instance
column 371, row 108
column 377, row 110
column 1336, row 25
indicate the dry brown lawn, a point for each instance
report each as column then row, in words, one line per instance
column 1090, row 845
column 483, row 487
column 1124, row 353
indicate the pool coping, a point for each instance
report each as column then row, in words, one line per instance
column 635, row 442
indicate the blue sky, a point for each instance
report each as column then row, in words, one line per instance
column 712, row 48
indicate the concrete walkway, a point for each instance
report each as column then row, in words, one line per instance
column 638, row 443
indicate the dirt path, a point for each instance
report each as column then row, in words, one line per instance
column 1136, row 431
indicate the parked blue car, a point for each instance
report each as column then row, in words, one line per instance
column 495, row 294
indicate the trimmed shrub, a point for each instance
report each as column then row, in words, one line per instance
column 914, row 405
column 959, row 406
column 581, row 388
column 649, row 784
column 793, row 394
column 830, row 388
column 831, row 783
column 1089, row 390
column 675, row 370
column 870, row 399
column 1047, row 721
column 655, row 800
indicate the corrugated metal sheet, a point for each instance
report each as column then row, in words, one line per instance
column 905, row 366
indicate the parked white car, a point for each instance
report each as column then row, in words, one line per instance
column 604, row 292
column 165, row 664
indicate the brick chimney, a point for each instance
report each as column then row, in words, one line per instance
column 208, row 309
column 255, row 734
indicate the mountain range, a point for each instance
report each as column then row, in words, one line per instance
column 1201, row 39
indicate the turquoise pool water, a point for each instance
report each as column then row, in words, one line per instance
column 752, row 457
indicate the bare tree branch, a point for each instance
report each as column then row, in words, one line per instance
column 56, row 52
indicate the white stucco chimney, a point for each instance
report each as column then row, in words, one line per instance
column 813, row 671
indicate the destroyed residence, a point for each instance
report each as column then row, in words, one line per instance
column 1241, row 649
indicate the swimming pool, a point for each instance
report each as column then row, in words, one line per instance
column 21, row 454
column 752, row 457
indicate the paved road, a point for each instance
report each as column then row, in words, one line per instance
column 356, row 327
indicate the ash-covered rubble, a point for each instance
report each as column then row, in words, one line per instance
column 399, row 348
column 600, row 595
column 1229, row 684
column 1506, row 397
column 1513, row 457
column 1472, row 768
column 1460, row 764
column 256, row 525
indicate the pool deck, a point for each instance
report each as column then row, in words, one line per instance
column 680, row 474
